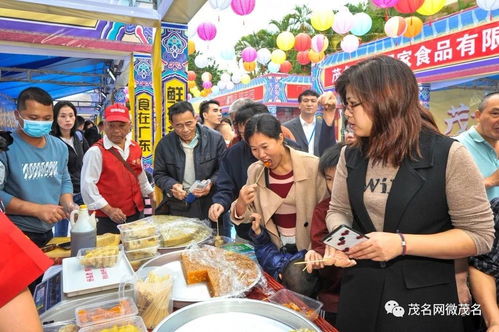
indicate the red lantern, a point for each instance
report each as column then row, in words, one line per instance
column 302, row 42
column 302, row 58
column 191, row 76
column 408, row 6
column 285, row 67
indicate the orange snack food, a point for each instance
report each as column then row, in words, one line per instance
column 267, row 163
column 104, row 313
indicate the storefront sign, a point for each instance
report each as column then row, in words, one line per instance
column 294, row 90
column 255, row 93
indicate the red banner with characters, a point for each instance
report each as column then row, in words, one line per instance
column 255, row 93
column 465, row 45
column 294, row 90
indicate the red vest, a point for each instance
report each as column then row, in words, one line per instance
column 117, row 184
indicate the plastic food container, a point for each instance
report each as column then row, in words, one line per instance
column 142, row 253
column 136, row 264
column 137, row 229
column 99, row 257
column 127, row 324
column 101, row 312
column 141, row 243
column 306, row 306
column 66, row 326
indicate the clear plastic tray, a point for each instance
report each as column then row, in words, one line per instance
column 142, row 253
column 306, row 306
column 141, row 243
column 136, row 264
column 138, row 229
column 96, row 313
column 128, row 324
column 99, row 257
column 66, row 326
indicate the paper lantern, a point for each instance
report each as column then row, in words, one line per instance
column 225, row 77
column 229, row 85
column 191, row 47
column 302, row 42
column 207, row 31
column 278, row 56
column 215, row 89
column 319, row 43
column 362, row 23
column 414, row 26
column 385, row 3
column 245, row 79
column 201, row 61
column 219, row 4
column 395, row 26
column 204, row 93
column 222, row 85
column 228, row 53
column 488, row 5
column 343, row 22
column 285, row 40
column 322, row 19
column 408, row 6
column 189, row 96
column 249, row 54
column 263, row 56
column 349, row 43
column 207, row 85
column 236, row 78
column 315, row 56
column 249, row 66
column 285, row 67
column 242, row 7
column 273, row 67
column 191, row 76
column 206, row 76
column 431, row 7
column 302, row 58
column 191, row 84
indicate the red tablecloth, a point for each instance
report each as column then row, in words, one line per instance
column 258, row 293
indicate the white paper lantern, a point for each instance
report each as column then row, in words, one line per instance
column 201, row 61
column 350, row 43
column 263, row 56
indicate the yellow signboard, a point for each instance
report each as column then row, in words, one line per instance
column 143, row 123
column 175, row 91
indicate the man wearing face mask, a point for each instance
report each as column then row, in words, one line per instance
column 113, row 180
column 36, row 188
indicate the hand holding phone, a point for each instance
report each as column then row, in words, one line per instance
column 343, row 238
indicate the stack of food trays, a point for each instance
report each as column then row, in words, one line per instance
column 140, row 240
column 114, row 315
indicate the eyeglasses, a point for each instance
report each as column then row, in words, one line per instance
column 350, row 107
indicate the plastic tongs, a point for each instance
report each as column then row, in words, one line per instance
column 53, row 246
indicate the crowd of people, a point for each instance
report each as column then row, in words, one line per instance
column 423, row 200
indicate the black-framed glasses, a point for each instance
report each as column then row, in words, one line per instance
column 350, row 107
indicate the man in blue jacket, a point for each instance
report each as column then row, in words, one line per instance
column 191, row 152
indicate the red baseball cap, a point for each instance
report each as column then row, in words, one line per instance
column 117, row 112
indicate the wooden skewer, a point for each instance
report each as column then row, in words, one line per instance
column 316, row 261
column 260, row 175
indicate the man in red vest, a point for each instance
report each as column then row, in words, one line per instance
column 113, row 180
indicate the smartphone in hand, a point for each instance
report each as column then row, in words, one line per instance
column 343, row 238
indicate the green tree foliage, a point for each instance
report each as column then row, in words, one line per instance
column 213, row 69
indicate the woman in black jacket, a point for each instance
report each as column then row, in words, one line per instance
column 64, row 127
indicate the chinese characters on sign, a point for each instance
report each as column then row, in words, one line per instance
column 143, row 122
column 175, row 91
column 477, row 42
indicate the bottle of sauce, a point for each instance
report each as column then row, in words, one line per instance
column 83, row 232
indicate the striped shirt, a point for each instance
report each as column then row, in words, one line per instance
column 285, row 216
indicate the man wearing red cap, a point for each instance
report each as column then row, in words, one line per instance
column 113, row 180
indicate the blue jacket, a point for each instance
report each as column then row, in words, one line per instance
column 272, row 260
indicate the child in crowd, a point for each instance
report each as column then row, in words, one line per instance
column 329, row 276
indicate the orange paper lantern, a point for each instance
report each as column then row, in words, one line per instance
column 414, row 26
column 249, row 66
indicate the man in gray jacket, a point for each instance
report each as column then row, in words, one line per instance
column 188, row 154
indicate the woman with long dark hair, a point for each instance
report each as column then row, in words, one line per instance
column 64, row 127
column 415, row 193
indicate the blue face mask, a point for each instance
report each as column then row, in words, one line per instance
column 36, row 128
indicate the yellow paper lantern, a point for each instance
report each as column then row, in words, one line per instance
column 285, row 41
column 191, row 84
column 322, row 19
column 278, row 56
column 245, row 79
column 431, row 7
column 249, row 66
column 315, row 56
column 191, row 47
column 414, row 26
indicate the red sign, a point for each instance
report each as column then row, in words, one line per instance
column 470, row 44
column 255, row 93
column 294, row 90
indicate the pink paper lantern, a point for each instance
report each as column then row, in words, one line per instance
column 207, row 85
column 249, row 54
column 319, row 43
column 408, row 6
column 395, row 26
column 385, row 3
column 207, row 31
column 242, row 7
